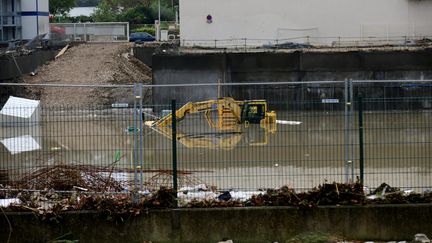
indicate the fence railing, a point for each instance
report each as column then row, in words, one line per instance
column 116, row 148
column 90, row 32
column 308, row 42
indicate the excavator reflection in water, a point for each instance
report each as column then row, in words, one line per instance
column 230, row 119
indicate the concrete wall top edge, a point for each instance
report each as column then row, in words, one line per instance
column 298, row 61
column 276, row 208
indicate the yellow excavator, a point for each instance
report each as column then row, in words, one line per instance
column 230, row 119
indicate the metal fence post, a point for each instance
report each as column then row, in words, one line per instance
column 174, row 145
column 346, row 134
column 348, row 126
column 85, row 32
column 361, row 139
column 137, row 141
column 352, row 129
column 140, row 133
column 74, row 38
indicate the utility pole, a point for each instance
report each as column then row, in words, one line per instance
column 159, row 22
column 159, row 11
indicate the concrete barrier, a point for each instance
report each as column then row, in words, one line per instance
column 287, row 67
column 26, row 63
column 144, row 54
column 258, row 224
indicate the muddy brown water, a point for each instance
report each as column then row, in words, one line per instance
column 398, row 149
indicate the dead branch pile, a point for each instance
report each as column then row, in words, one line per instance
column 50, row 203
column 326, row 194
column 69, row 178
column 164, row 179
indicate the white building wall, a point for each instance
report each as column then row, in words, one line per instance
column 284, row 19
column 43, row 19
column 28, row 5
column 35, row 18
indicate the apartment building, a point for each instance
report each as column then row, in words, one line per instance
column 23, row 19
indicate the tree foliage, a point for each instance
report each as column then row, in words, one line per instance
column 137, row 15
column 147, row 14
column 127, row 4
column 132, row 11
column 108, row 11
column 87, row 3
column 60, row 7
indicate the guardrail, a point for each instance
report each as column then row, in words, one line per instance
column 90, row 32
column 308, row 42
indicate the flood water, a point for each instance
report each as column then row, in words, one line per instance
column 397, row 145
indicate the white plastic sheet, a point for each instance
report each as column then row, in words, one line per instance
column 7, row 202
column 20, row 144
column 19, row 107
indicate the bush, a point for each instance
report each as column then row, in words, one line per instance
column 150, row 30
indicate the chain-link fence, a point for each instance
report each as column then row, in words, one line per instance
column 227, row 144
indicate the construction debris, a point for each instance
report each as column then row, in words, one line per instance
column 61, row 52
column 52, row 190
column 421, row 238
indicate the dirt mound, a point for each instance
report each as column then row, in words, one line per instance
column 105, row 64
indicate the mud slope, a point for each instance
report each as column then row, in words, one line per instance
column 108, row 64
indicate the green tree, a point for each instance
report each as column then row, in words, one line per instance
column 137, row 15
column 107, row 11
column 87, row 3
column 148, row 13
column 60, row 7
column 133, row 11
column 167, row 13
column 129, row 4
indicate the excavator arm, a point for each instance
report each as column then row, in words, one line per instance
column 227, row 108
column 188, row 108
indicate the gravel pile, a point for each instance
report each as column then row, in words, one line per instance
column 103, row 64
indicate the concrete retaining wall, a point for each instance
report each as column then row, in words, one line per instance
column 263, row 224
column 144, row 54
column 285, row 67
column 26, row 63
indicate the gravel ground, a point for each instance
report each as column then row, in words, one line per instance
column 107, row 63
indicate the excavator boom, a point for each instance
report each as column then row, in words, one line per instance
column 227, row 108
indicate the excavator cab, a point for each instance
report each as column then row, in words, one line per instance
column 253, row 112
